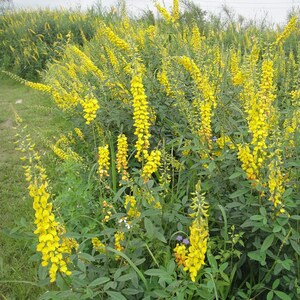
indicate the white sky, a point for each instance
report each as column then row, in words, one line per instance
column 275, row 10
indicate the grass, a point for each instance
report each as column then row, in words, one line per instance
column 19, row 273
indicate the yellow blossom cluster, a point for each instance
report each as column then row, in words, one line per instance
column 115, row 39
column 119, row 237
column 98, row 245
column 175, row 11
column 113, row 60
column 180, row 253
column 52, row 245
column 79, row 133
column 69, row 154
column 103, row 161
column 152, row 164
column 196, row 38
column 140, row 114
column 236, row 73
column 197, row 250
column 162, row 75
column 276, row 181
column 163, row 11
column 203, row 105
column 38, row 86
column 90, row 107
column 261, row 114
column 248, row 163
column 193, row 258
column 201, row 79
column 205, row 131
column 225, row 140
column 87, row 62
column 289, row 28
column 130, row 206
column 122, row 156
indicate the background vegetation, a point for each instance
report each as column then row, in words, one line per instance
column 169, row 167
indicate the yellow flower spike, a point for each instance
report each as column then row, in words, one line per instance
column 103, row 161
column 119, row 237
column 90, row 107
column 140, row 113
column 51, row 244
column 163, row 11
column 175, row 11
column 98, row 245
column 196, row 38
column 193, row 258
column 122, row 156
column 152, row 164
column 290, row 27
column 180, row 253
column 130, row 205
column 276, row 181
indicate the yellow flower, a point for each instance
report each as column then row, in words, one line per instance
column 276, row 181
column 98, row 245
column 196, row 38
column 79, row 133
column 140, row 114
column 152, row 164
column 175, row 11
column 90, row 106
column 290, row 27
column 130, row 206
column 197, row 250
column 116, row 40
column 248, row 163
column 164, row 13
column 180, row 253
column 122, row 156
column 119, row 237
column 103, row 161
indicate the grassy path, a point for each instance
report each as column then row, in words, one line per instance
column 16, row 214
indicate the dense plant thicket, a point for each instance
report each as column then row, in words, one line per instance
column 180, row 176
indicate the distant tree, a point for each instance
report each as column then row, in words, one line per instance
column 6, row 5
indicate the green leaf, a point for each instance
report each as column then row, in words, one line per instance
column 235, row 175
column 211, row 166
column 160, row 273
column 277, row 228
column 212, row 262
column 161, row 294
column 282, row 295
column 238, row 193
column 287, row 264
column 267, row 243
column 295, row 246
column 130, row 291
column 99, row 281
column 257, row 218
column 259, row 256
column 270, row 295
column 263, row 211
column 275, row 284
column 160, row 237
column 171, row 266
column 126, row 277
column 293, row 164
column 116, row 295
column 149, row 227
column 85, row 256
column 287, row 192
